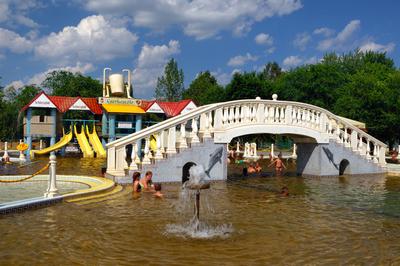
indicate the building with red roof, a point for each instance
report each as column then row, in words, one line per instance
column 46, row 116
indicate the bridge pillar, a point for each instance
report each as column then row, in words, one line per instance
column 324, row 159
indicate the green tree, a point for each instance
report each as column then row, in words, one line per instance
column 271, row 71
column 64, row 83
column 204, row 89
column 170, row 85
column 248, row 86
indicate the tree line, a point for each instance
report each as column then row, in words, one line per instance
column 363, row 86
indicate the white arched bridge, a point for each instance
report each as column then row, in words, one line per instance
column 327, row 144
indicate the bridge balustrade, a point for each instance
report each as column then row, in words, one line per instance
column 180, row 132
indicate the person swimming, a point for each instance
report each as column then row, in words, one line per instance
column 284, row 192
column 157, row 188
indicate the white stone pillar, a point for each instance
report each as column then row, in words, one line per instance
column 237, row 114
column 218, row 119
column 40, row 144
column 120, row 161
column 237, row 147
column 182, row 138
column 246, row 150
column 133, row 165
column 294, row 154
column 5, row 156
column 159, row 155
column 353, row 140
column 111, row 160
column 260, row 113
column 206, row 133
column 368, row 150
column 193, row 134
column 146, row 158
column 52, row 185
column 126, row 166
column 231, row 116
column 375, row 154
column 382, row 159
column 288, row 115
column 171, row 145
column 272, row 151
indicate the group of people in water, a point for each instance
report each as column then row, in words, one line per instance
column 145, row 184
column 255, row 167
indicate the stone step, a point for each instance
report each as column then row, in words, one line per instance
column 115, row 190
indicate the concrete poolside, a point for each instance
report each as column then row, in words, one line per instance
column 95, row 185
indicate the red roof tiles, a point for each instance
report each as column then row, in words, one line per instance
column 63, row 103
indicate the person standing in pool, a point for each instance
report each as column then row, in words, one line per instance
column 279, row 165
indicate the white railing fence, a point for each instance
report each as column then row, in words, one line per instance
column 180, row 132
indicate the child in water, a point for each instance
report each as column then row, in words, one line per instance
column 157, row 188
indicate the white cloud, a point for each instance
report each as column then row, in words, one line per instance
column 17, row 84
column 38, row 78
column 271, row 50
column 240, row 60
column 341, row 39
column 264, row 39
column 15, row 12
column 79, row 67
column 93, row 39
column 301, row 41
column 222, row 77
column 327, row 32
column 14, row 42
column 292, row 61
column 4, row 11
column 199, row 18
column 376, row 47
column 150, row 66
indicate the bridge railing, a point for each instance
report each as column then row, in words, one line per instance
column 181, row 131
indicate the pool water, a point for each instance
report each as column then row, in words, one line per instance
column 31, row 189
column 334, row 221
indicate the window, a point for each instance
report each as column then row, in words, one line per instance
column 41, row 119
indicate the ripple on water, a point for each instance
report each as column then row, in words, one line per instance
column 323, row 221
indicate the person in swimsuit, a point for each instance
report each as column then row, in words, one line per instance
column 251, row 169
column 136, row 183
column 145, row 183
column 258, row 168
column 279, row 165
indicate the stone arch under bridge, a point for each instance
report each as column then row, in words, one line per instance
column 323, row 140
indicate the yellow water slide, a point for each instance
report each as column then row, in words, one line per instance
column 96, row 143
column 83, row 143
column 66, row 138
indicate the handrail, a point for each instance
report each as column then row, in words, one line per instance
column 177, row 120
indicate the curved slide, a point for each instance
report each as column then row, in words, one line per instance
column 96, row 143
column 66, row 138
column 83, row 143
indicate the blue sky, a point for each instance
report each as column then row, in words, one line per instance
column 38, row 36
